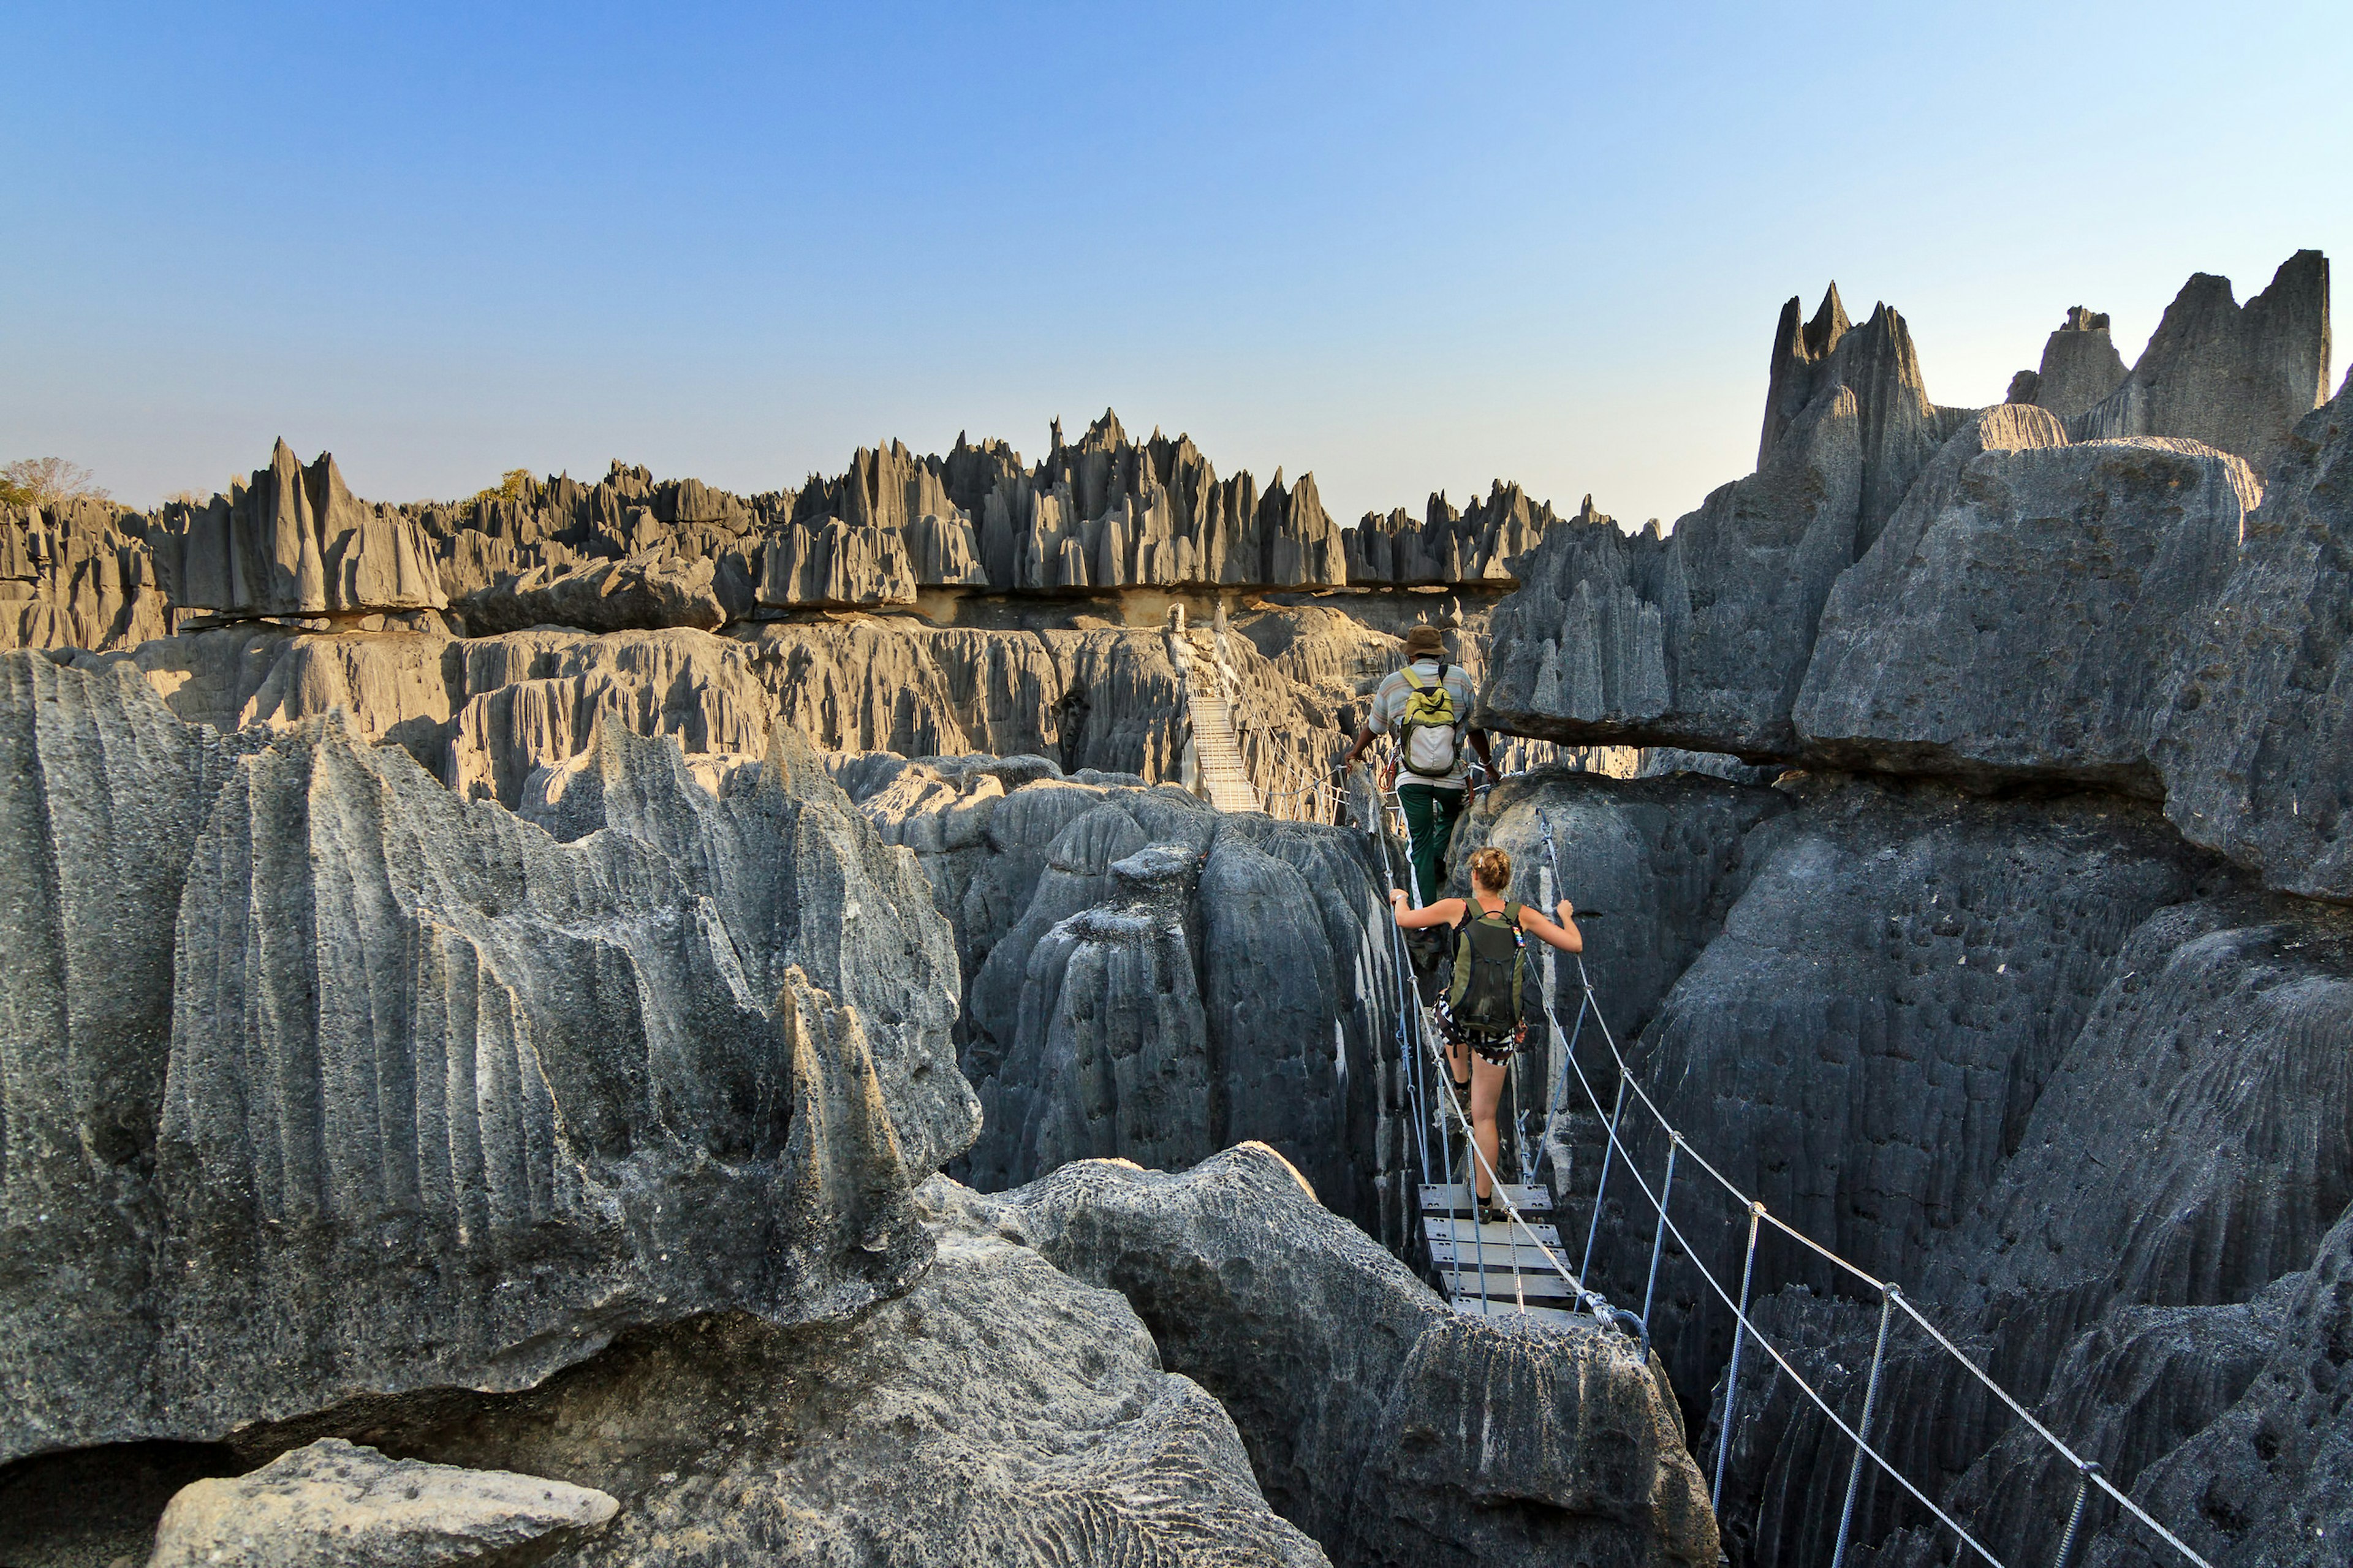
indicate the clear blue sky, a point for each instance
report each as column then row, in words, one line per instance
column 1404, row 246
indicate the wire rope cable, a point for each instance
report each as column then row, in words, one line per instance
column 1892, row 1298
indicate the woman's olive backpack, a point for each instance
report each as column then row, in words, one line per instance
column 1485, row 999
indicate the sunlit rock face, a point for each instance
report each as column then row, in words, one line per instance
column 296, row 1027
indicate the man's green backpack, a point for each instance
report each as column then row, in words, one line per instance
column 1485, row 996
column 1431, row 730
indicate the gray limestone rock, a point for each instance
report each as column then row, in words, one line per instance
column 1696, row 638
column 334, row 1502
column 2130, row 1269
column 1659, row 860
column 82, row 574
column 997, row 1411
column 2239, row 378
column 2270, row 1482
column 1446, row 547
column 1865, row 1043
column 2021, row 617
column 2256, row 744
column 294, row 541
column 2079, row 365
column 519, row 1094
column 103, row 794
column 830, row 561
column 1899, row 428
column 648, row 590
column 1382, row 1424
column 1150, row 979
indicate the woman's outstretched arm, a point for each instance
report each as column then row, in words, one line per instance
column 1445, row 912
column 1564, row 936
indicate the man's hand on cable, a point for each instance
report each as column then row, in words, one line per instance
column 1568, row 911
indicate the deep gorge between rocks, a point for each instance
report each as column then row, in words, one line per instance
column 737, row 1006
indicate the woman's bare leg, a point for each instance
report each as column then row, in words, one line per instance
column 1486, row 1093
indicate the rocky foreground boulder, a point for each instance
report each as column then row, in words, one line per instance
column 333, row 1501
column 1388, row 1428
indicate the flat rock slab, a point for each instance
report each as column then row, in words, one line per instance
column 337, row 1502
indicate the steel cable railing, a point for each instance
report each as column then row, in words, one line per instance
column 1413, row 1031
column 1892, row 1298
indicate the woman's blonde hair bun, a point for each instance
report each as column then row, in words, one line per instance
column 1491, row 869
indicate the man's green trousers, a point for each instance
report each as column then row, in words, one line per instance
column 1429, row 817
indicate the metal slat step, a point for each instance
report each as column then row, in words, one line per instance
column 1491, row 1257
column 1454, row 1197
column 1441, row 1228
column 1551, row 1317
column 1461, row 1281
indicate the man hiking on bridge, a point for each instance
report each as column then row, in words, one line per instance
column 1482, row 1011
column 1427, row 705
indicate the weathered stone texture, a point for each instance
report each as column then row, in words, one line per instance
column 2022, row 619
column 998, row 1411
column 103, row 796
column 517, row 1094
column 1147, row 978
column 294, row 541
column 1863, row 1044
column 84, row 573
column 2256, row 744
column 2239, row 378
column 2079, row 365
column 334, row 1502
column 1699, row 637
column 1382, row 1425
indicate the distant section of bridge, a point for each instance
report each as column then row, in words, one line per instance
column 1216, row 770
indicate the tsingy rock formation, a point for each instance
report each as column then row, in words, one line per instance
column 1148, row 978
column 2080, row 367
column 300, row 1026
column 2010, row 605
column 293, row 541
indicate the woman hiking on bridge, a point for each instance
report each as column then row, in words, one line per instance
column 1481, row 1012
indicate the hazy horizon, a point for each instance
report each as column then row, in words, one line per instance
column 1407, row 253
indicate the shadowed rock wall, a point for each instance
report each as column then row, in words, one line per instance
column 1148, row 978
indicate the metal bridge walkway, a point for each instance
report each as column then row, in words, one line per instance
column 1215, row 752
column 1498, row 1268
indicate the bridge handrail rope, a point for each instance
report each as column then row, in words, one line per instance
column 1429, row 1055
column 2090, row 1475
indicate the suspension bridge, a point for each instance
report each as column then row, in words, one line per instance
column 1519, row 1264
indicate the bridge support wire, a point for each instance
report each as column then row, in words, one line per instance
column 1891, row 1300
column 1456, row 1113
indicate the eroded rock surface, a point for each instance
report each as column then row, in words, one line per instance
column 1149, row 978
column 334, row 1502
column 519, row 1094
column 2235, row 377
column 1384, row 1424
column 1970, row 594
column 2022, row 620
